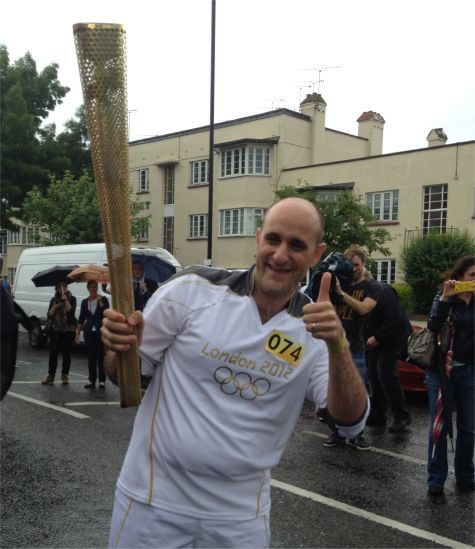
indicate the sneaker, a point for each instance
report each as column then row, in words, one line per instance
column 333, row 440
column 359, row 443
column 435, row 490
column 49, row 380
column 89, row 385
column 102, row 385
column 399, row 425
column 64, row 379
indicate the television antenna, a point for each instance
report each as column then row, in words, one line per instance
column 272, row 101
column 319, row 70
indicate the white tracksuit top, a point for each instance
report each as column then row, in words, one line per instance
column 225, row 396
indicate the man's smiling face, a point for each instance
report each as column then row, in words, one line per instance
column 286, row 246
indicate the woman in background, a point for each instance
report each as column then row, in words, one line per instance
column 460, row 305
column 90, row 319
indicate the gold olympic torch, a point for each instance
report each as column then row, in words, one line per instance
column 100, row 49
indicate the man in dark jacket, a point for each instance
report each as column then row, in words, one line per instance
column 143, row 287
column 388, row 330
column 11, row 315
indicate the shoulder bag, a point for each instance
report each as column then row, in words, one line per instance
column 422, row 346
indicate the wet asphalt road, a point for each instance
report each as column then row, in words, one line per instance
column 58, row 474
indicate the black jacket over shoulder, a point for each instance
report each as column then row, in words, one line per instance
column 388, row 322
column 464, row 324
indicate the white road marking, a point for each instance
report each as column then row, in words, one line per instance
column 402, row 457
column 23, row 362
column 93, row 403
column 47, row 405
column 417, row 532
column 39, row 382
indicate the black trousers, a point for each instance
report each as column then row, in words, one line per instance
column 95, row 356
column 60, row 342
column 384, row 383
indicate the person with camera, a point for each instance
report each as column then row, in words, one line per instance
column 456, row 299
column 356, row 301
column 61, row 310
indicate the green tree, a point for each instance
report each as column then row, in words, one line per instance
column 26, row 99
column 68, row 212
column 426, row 258
column 347, row 221
column 75, row 146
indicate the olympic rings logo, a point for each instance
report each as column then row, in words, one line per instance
column 241, row 382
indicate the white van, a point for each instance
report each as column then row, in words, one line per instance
column 34, row 301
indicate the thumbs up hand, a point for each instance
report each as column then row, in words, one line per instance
column 320, row 318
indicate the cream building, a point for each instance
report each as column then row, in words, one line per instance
column 410, row 192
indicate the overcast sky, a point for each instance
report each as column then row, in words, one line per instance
column 409, row 60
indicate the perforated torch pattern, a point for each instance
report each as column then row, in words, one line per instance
column 101, row 53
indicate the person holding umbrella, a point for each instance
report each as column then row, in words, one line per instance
column 453, row 379
column 61, row 310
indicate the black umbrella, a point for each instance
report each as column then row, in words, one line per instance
column 53, row 275
column 154, row 267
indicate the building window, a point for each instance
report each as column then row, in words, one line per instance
column 169, row 185
column 385, row 270
column 384, row 205
column 198, row 226
column 26, row 235
column 323, row 196
column 199, row 172
column 143, row 230
column 434, row 214
column 240, row 221
column 249, row 160
column 168, row 223
column 143, row 183
column 3, row 242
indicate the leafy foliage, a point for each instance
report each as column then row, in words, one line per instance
column 68, row 212
column 26, row 100
column 426, row 258
column 347, row 221
column 404, row 292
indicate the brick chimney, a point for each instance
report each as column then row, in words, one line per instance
column 371, row 126
column 436, row 137
column 315, row 106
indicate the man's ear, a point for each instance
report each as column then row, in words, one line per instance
column 319, row 251
column 258, row 235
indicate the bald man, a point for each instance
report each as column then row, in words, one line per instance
column 232, row 355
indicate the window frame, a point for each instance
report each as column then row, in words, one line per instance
column 197, row 167
column 431, row 214
column 197, row 226
column 251, row 159
column 382, row 197
column 168, row 233
column 239, row 221
column 385, row 270
column 169, row 185
column 143, row 180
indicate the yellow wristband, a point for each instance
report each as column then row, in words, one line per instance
column 339, row 346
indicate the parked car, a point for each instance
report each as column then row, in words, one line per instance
column 413, row 378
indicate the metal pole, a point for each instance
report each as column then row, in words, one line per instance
column 211, row 135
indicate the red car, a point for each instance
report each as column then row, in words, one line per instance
column 411, row 376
